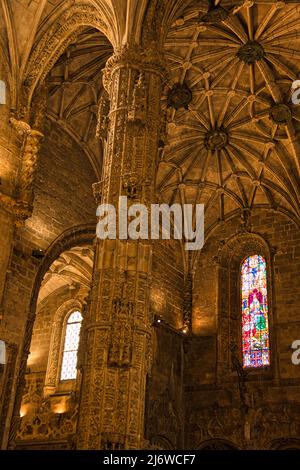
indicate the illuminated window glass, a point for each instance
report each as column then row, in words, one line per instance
column 255, row 324
column 69, row 360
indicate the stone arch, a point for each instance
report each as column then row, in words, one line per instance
column 54, row 41
column 77, row 236
column 217, row 444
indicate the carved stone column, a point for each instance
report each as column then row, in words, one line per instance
column 118, row 324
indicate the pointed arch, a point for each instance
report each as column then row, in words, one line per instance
column 57, row 35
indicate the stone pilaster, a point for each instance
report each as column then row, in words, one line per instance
column 118, row 324
column 16, row 205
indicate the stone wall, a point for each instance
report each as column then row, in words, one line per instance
column 63, row 199
column 164, row 418
column 167, row 289
column 214, row 402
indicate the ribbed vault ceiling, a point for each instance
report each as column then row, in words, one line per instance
column 74, row 87
column 236, row 145
column 72, row 270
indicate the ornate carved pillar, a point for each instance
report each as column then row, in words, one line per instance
column 118, row 324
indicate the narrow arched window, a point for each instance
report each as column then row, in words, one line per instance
column 71, row 343
column 255, row 319
column 2, row 92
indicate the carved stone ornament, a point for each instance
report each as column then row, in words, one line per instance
column 137, row 58
column 103, row 116
column 21, row 205
column 180, row 96
column 251, row 52
column 281, row 114
column 215, row 14
column 131, row 186
column 245, row 220
column 112, row 441
column 216, row 139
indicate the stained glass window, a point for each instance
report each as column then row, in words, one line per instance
column 255, row 325
column 69, row 360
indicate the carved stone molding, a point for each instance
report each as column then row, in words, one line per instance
column 97, row 191
column 137, row 114
column 22, row 128
column 112, row 441
column 18, row 209
column 103, row 116
column 216, row 14
column 56, row 344
column 131, row 186
column 21, row 205
column 216, row 139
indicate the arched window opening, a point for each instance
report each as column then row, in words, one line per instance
column 2, row 92
column 71, row 343
column 255, row 321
